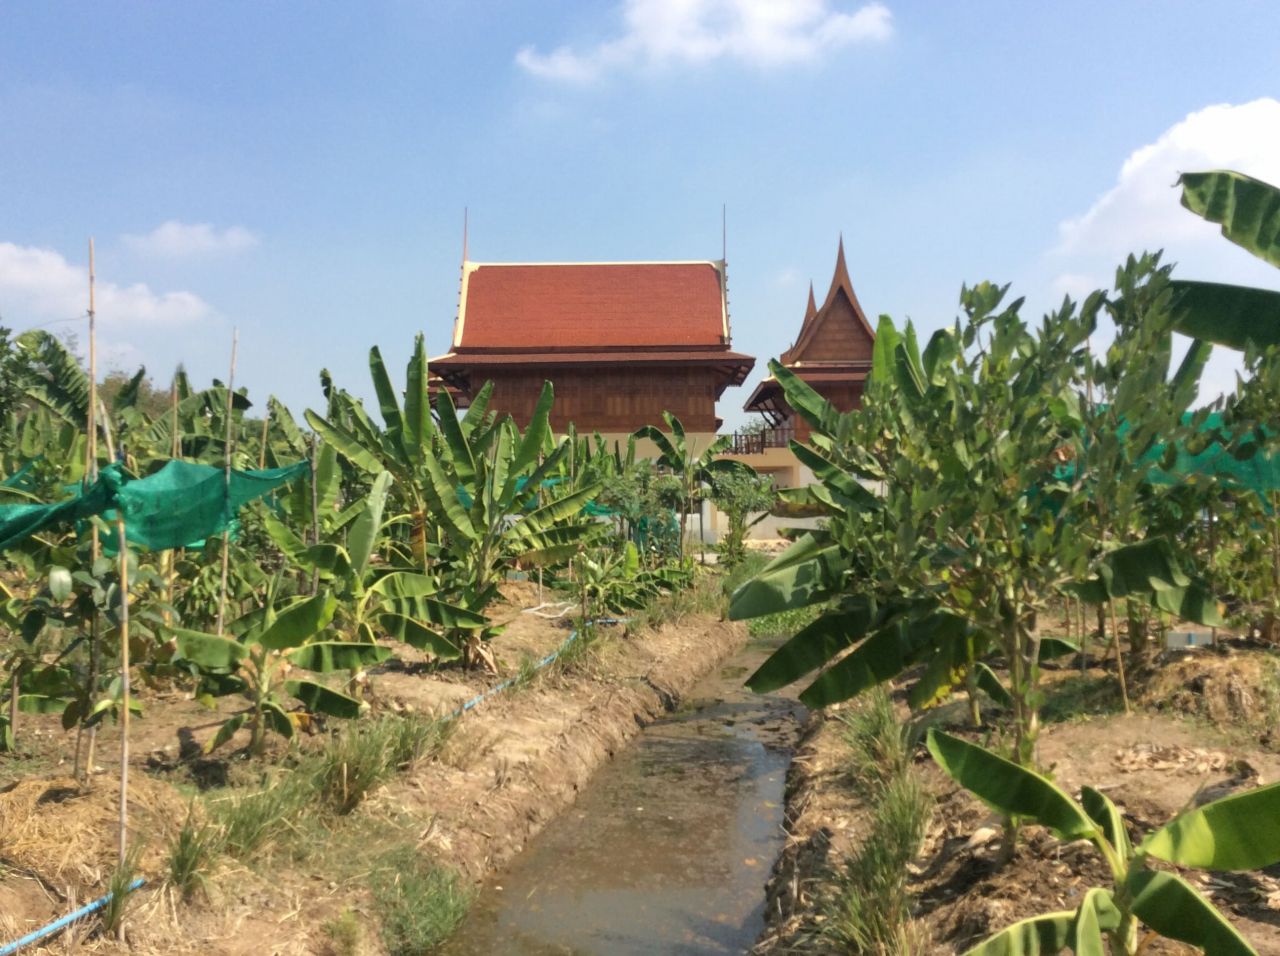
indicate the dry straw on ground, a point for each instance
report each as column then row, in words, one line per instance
column 63, row 833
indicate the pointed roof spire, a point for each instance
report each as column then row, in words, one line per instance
column 811, row 309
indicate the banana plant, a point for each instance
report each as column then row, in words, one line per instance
column 270, row 644
column 1238, row 832
column 374, row 600
column 1248, row 210
column 484, row 494
column 405, row 442
column 694, row 468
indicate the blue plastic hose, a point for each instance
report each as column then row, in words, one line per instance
column 498, row 688
column 64, row 922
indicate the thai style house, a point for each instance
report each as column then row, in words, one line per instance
column 832, row 353
column 622, row 342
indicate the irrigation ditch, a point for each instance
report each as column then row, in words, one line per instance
column 668, row 848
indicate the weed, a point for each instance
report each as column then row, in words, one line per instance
column 362, row 756
column 346, row 934
column 419, row 903
column 120, row 889
column 191, row 852
column 878, row 748
column 870, row 908
column 252, row 820
column 1079, row 696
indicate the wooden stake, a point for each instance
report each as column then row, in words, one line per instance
column 124, row 683
column 226, row 534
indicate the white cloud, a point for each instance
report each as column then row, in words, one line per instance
column 672, row 32
column 1143, row 212
column 181, row 240
column 39, row 286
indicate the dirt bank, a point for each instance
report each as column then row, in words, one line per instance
column 512, row 764
column 1152, row 765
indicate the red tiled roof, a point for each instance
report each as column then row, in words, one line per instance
column 588, row 306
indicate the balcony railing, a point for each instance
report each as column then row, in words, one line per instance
column 755, row 442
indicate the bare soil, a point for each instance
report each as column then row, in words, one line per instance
column 1152, row 764
column 511, row 765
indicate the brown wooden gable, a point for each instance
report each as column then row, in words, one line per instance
column 838, row 331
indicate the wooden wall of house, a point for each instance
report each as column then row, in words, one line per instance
column 841, row 338
column 611, row 399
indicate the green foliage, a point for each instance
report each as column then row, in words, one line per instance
column 192, row 852
column 121, row 890
column 419, row 903
column 253, row 664
column 1249, row 212
column 870, row 910
column 1012, row 464
column 693, row 467
column 740, row 494
column 251, row 821
column 346, row 933
column 365, row 755
column 1237, row 832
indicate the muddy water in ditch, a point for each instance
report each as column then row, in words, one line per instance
column 668, row 849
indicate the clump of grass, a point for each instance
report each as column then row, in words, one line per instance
column 346, row 934
column 879, row 752
column 363, row 756
column 121, row 890
column 419, row 903
column 870, row 908
column 252, row 820
column 191, row 853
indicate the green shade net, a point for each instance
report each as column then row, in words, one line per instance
column 179, row 505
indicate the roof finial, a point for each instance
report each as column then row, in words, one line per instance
column 811, row 309
column 724, row 232
column 464, row 236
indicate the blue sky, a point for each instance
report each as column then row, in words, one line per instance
column 299, row 170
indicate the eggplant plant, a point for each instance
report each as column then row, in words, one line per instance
column 269, row 645
column 1238, row 832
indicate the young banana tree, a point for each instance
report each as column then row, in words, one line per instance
column 1238, row 832
column 403, row 445
column 483, row 493
column 257, row 662
column 694, row 468
column 372, row 600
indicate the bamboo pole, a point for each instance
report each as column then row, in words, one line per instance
column 91, row 476
column 315, row 513
column 226, row 534
column 124, row 684
column 1115, row 637
column 262, row 452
